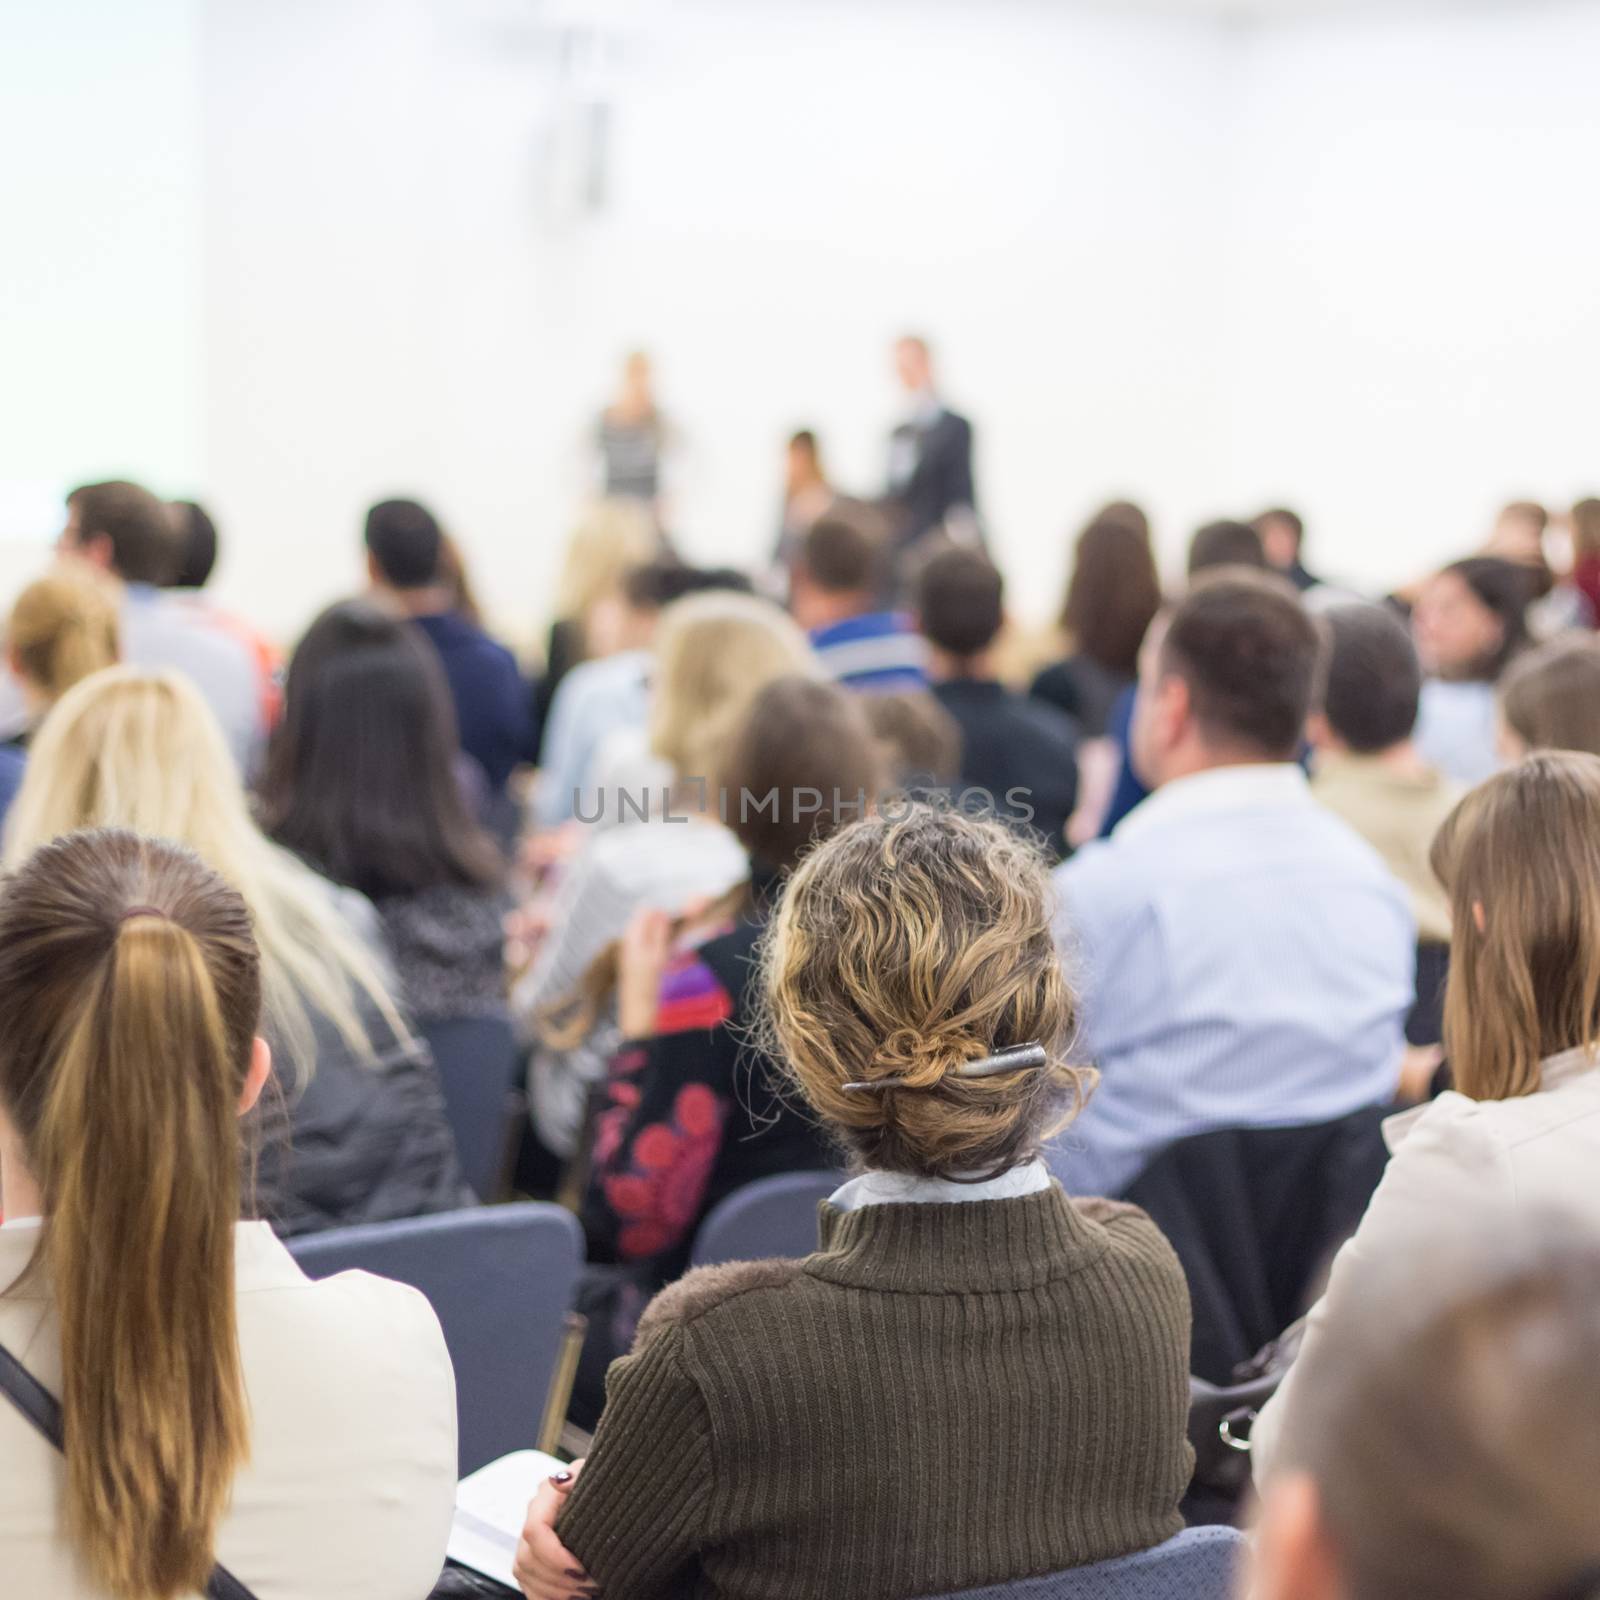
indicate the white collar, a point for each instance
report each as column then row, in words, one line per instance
column 19, row 1223
column 1231, row 788
column 1565, row 1067
column 901, row 1189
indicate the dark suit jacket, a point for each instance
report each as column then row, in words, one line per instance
column 941, row 481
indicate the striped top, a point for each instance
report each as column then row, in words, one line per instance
column 879, row 652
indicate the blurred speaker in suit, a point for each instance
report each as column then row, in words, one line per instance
column 930, row 456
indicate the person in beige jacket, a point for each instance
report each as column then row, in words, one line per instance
column 217, row 1406
column 1520, row 857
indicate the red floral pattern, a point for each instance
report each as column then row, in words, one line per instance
column 657, row 1198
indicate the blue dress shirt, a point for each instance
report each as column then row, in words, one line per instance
column 1242, row 959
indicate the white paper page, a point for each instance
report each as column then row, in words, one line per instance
column 491, row 1507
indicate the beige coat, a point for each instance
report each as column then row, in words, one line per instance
column 1458, row 1156
column 350, row 1485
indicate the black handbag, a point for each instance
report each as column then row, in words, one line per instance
column 43, row 1410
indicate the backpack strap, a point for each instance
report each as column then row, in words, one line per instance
column 43, row 1410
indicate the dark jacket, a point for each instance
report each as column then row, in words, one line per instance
column 493, row 707
column 1084, row 689
column 1018, row 747
column 941, row 480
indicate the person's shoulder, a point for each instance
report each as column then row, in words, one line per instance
column 1136, row 1251
column 732, row 1289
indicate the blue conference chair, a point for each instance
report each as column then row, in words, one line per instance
column 501, row 1281
column 771, row 1217
column 1199, row 1564
column 477, row 1062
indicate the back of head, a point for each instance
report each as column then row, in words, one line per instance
column 803, row 763
column 405, row 542
column 141, row 531
column 1248, row 652
column 1521, row 855
column 1550, row 697
column 1586, row 527
column 921, row 741
column 138, row 750
column 1113, row 594
column 1226, row 544
column 197, row 541
column 845, row 552
column 361, row 774
column 654, row 585
column 129, row 997
column 904, row 947
column 1372, row 680
column 613, row 536
column 1450, row 1421
column 63, row 628
column 960, row 601
column 714, row 653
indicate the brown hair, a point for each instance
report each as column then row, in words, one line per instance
column 1550, row 697
column 1113, row 595
column 960, row 601
column 63, row 628
column 1225, row 544
column 920, row 740
column 1586, row 527
column 1451, row 1418
column 1249, row 653
column 1524, row 846
column 147, row 545
column 130, row 991
column 846, row 550
column 903, row 947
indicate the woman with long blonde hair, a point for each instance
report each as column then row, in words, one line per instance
column 211, row 1404
column 369, row 1140
column 1520, row 860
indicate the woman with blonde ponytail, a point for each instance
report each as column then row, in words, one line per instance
column 63, row 627
column 215, row 1406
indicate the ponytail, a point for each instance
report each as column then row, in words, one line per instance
column 137, row 1153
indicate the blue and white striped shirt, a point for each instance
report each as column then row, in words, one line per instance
column 1242, row 959
column 880, row 652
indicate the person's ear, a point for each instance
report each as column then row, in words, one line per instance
column 255, row 1078
column 1509, row 745
column 374, row 574
column 1293, row 1559
column 95, row 549
column 1174, row 709
column 1479, row 920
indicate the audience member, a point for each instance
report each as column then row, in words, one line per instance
column 1469, row 621
column 1518, row 537
column 1451, row 1428
column 691, row 1114
column 807, row 495
column 835, row 593
column 357, row 1133
column 1247, row 960
column 1585, row 524
column 216, row 1405
column 930, row 454
column 1520, row 857
column 1226, row 544
column 1550, row 699
column 1111, row 599
column 632, row 437
column 920, row 740
column 1020, row 754
column 360, row 784
column 63, row 627
column 1283, row 539
column 403, row 559
column 1366, row 767
column 716, row 652
column 608, row 693
column 1005, row 1379
column 197, row 535
column 126, row 533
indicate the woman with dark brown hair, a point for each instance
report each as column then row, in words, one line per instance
column 975, row 1378
column 214, row 1405
column 1520, row 860
column 1112, row 596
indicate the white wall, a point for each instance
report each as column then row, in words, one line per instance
column 1341, row 262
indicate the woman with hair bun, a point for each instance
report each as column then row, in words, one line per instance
column 975, row 1378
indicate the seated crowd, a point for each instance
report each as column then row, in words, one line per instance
column 1204, row 992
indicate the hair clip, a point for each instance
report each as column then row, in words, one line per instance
column 1014, row 1059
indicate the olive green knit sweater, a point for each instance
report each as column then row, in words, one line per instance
column 944, row 1396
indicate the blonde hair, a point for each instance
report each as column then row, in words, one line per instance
column 613, row 536
column 903, row 947
column 1522, row 852
column 715, row 652
column 141, row 750
column 130, row 990
column 63, row 628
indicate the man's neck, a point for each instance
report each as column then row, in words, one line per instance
column 1200, row 759
column 432, row 600
column 1403, row 759
column 943, row 667
column 823, row 610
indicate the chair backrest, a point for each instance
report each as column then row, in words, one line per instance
column 501, row 1281
column 771, row 1217
column 477, row 1061
column 1198, row 1564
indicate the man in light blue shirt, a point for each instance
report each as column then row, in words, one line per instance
column 1242, row 957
